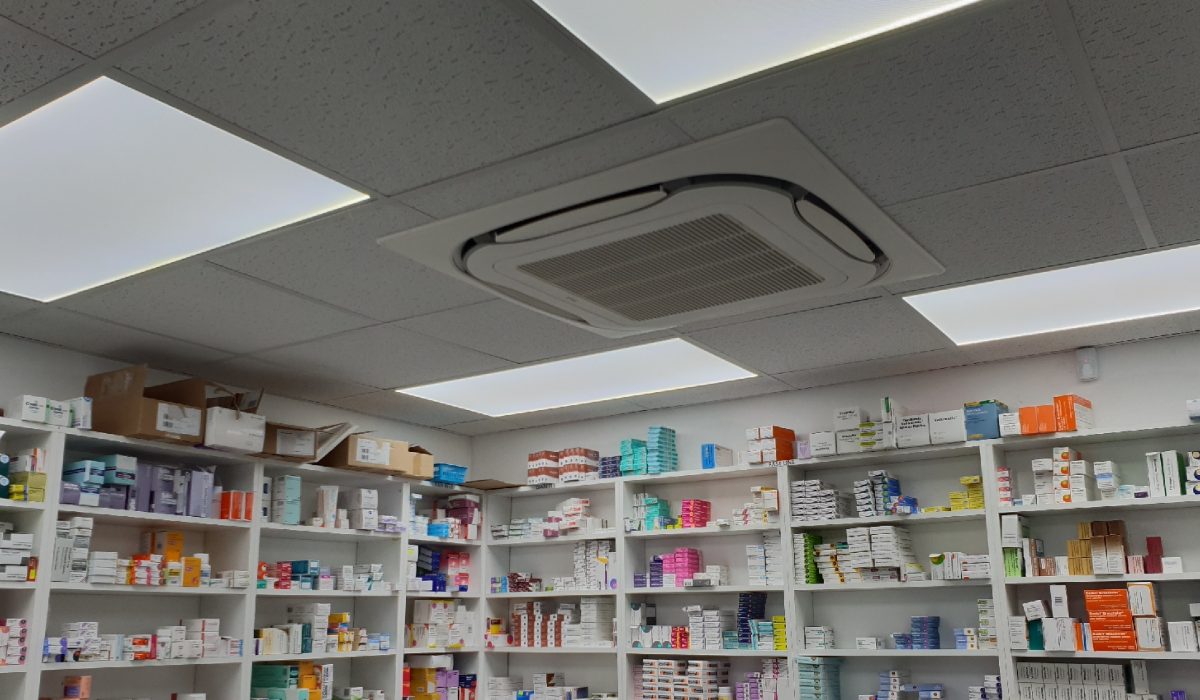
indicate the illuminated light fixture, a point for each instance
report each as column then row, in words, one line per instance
column 1124, row 289
column 673, row 48
column 106, row 182
column 643, row 369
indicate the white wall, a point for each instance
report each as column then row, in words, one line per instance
column 1141, row 385
column 44, row 370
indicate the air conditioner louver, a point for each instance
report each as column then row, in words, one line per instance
column 751, row 220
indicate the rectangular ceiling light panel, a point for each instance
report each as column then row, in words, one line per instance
column 672, row 48
column 644, row 369
column 1125, row 289
column 106, row 182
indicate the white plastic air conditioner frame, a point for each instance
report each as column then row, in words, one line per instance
column 773, row 149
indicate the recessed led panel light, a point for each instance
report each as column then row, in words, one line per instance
column 644, row 369
column 1125, row 289
column 672, row 48
column 106, row 182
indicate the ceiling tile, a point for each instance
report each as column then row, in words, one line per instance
column 28, row 61
column 1108, row 334
column 809, row 304
column 978, row 95
column 550, row 166
column 95, row 337
column 11, row 305
column 510, row 331
column 1168, row 183
column 205, row 304
column 249, row 373
column 570, row 414
column 392, row 94
column 725, row 391
column 1056, row 217
column 875, row 369
column 94, row 26
column 864, row 330
column 409, row 409
column 1143, row 55
column 385, row 356
column 335, row 259
column 480, row 427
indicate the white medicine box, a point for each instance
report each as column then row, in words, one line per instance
column 235, row 431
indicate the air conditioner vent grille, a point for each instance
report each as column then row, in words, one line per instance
column 699, row 264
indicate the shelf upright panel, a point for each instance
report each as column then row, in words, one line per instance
column 991, row 456
column 39, row 610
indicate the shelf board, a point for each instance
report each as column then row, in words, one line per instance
column 156, row 663
column 17, row 585
column 551, row 650
column 741, row 471
column 308, row 532
column 1114, row 655
column 700, row 590
column 902, row 653
column 753, row 653
column 952, row 516
column 441, row 650
column 550, row 594
column 271, row 658
column 1104, row 578
column 15, row 668
column 436, row 595
column 9, row 504
column 114, row 516
column 575, row 487
column 1162, row 503
column 608, row 534
column 115, row 589
column 1091, row 437
column 707, row 531
column 431, row 488
column 100, row 443
column 299, row 593
column 457, row 542
column 890, row 585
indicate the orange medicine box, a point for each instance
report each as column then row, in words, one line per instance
column 1072, row 412
column 168, row 543
column 232, row 503
column 1036, row 420
column 191, row 572
column 1114, row 641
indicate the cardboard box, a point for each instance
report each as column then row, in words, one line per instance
column 1072, row 412
column 289, row 442
column 415, row 461
column 1037, row 420
column 234, row 431
column 913, row 431
column 983, row 419
column 366, row 451
column 122, row 404
column 947, row 427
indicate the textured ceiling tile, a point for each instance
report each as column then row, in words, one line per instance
column 1168, row 182
column 976, row 96
column 392, row 94
column 385, row 356
column 409, row 409
column 1143, row 54
column 94, row 26
column 1108, row 334
column 335, row 259
column 486, row 426
column 568, row 161
column 11, row 305
column 249, row 373
column 204, row 304
column 725, row 391
column 807, row 305
column 512, row 332
column 95, row 337
column 864, row 330
column 571, row 414
column 875, row 369
column 1057, row 217
column 28, row 61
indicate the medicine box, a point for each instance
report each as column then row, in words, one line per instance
column 848, row 418
column 823, row 444
column 1072, row 412
column 27, row 408
column 234, row 431
column 947, row 427
column 913, row 431
column 982, row 419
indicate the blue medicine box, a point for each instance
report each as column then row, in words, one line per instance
column 982, row 419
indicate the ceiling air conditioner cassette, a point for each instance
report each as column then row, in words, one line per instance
column 753, row 219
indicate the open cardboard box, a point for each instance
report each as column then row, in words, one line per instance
column 122, row 404
column 367, row 452
column 294, row 443
column 231, row 422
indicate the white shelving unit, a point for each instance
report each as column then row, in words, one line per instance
column 853, row 610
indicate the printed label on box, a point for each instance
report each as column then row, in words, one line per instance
column 179, row 420
column 296, row 443
column 372, row 452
